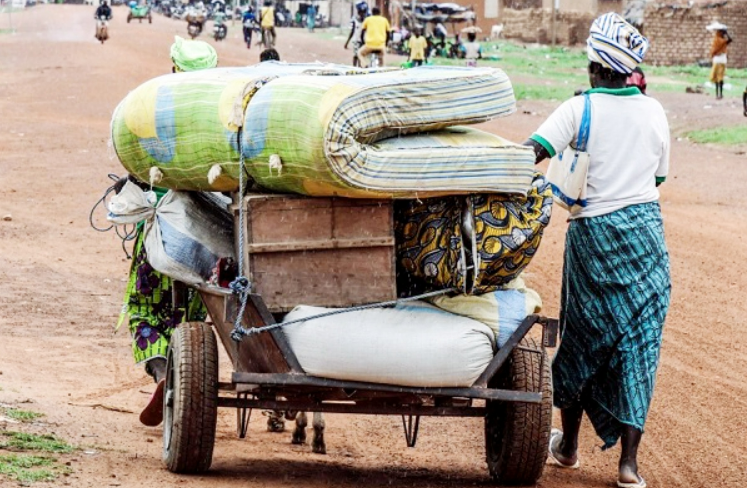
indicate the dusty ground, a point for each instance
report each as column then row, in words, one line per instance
column 61, row 286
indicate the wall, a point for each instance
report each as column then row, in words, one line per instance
column 678, row 35
column 535, row 25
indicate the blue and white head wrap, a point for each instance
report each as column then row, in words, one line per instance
column 615, row 44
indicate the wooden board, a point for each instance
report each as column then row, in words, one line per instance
column 329, row 252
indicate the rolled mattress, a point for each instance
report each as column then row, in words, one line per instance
column 379, row 134
column 414, row 344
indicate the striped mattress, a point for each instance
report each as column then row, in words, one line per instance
column 324, row 131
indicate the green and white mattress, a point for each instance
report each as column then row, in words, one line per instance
column 324, row 131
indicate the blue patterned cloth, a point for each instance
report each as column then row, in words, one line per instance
column 615, row 297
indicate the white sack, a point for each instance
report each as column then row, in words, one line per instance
column 187, row 236
column 414, row 344
column 131, row 205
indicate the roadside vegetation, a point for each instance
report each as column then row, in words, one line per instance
column 733, row 135
column 27, row 457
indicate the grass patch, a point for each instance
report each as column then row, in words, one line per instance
column 721, row 135
column 22, row 415
column 542, row 92
column 565, row 69
column 28, row 469
column 22, row 441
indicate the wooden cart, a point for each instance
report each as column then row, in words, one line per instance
column 337, row 252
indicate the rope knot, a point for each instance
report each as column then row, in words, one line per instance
column 240, row 285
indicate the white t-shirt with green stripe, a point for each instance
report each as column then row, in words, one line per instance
column 628, row 144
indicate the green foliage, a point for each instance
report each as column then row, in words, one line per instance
column 22, row 441
column 21, row 415
column 720, row 135
column 542, row 92
column 22, row 468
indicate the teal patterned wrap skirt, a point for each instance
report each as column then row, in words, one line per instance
column 615, row 296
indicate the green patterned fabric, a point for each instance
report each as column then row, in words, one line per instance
column 149, row 307
column 385, row 134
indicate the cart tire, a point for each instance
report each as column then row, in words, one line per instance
column 150, row 19
column 129, row 18
column 190, row 399
column 517, row 435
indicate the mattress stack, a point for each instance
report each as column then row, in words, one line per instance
column 470, row 210
column 329, row 131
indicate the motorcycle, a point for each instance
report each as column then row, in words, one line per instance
column 102, row 29
column 374, row 59
column 219, row 31
column 195, row 23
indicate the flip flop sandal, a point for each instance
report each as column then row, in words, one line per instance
column 556, row 435
column 641, row 483
column 152, row 414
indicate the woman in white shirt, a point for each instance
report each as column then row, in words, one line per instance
column 616, row 280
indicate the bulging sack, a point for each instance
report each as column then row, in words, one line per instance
column 502, row 310
column 188, row 234
column 475, row 244
column 414, row 344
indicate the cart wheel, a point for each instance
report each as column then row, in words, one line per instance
column 190, row 399
column 517, row 434
column 150, row 19
column 129, row 18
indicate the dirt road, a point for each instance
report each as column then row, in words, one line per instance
column 61, row 286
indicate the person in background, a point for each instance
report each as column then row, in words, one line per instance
column 440, row 33
column 248, row 21
column 721, row 41
column 375, row 33
column 269, row 55
column 418, row 46
column 103, row 14
column 148, row 305
column 267, row 22
column 616, row 275
column 356, row 26
column 637, row 79
column 219, row 17
column 472, row 50
column 311, row 17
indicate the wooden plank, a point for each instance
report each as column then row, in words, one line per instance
column 330, row 252
column 257, row 353
column 330, row 278
column 320, row 245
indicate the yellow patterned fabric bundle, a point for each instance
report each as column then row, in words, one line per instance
column 475, row 244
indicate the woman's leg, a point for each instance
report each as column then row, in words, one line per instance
column 630, row 439
column 567, row 451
